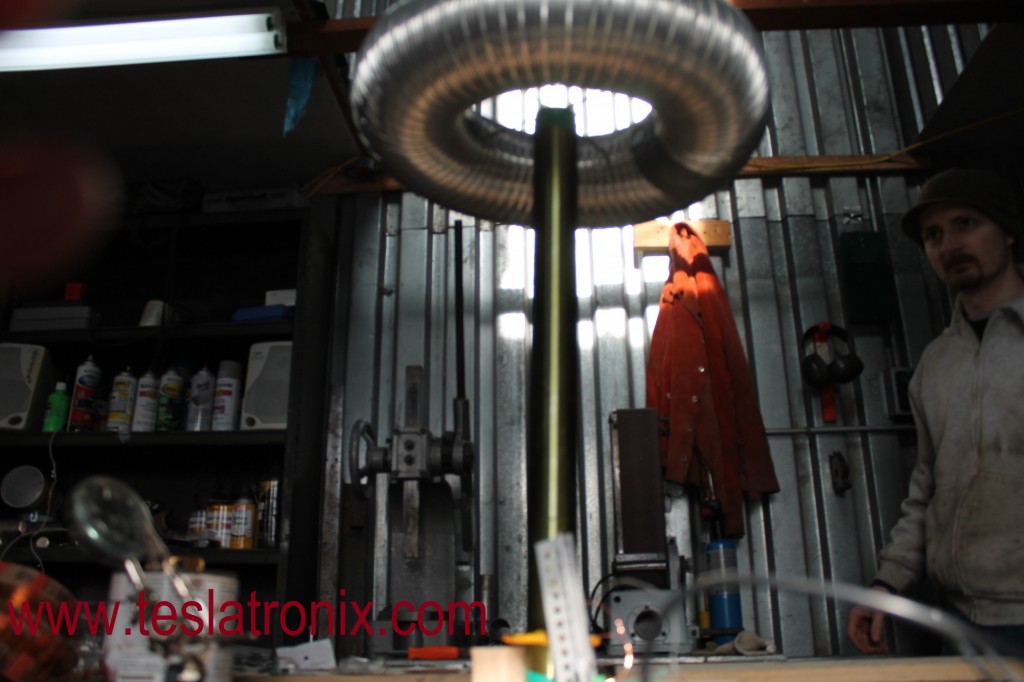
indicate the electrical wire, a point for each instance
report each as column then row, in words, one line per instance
column 32, row 535
column 620, row 581
column 590, row 599
column 12, row 543
column 618, row 630
column 313, row 186
column 973, row 645
column 753, row 163
column 49, row 502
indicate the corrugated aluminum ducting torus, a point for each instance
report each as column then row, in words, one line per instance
column 427, row 62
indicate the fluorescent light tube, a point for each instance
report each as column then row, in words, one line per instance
column 143, row 42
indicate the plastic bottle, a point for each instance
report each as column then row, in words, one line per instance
column 146, row 396
column 82, row 412
column 267, row 504
column 219, row 515
column 57, row 404
column 199, row 401
column 724, row 598
column 243, row 523
column 170, row 401
column 122, row 402
column 227, row 394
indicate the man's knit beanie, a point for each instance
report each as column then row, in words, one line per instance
column 978, row 189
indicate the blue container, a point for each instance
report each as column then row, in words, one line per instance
column 723, row 598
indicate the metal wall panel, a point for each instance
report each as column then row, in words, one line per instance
column 834, row 92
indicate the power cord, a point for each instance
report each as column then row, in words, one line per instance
column 753, row 163
column 972, row 644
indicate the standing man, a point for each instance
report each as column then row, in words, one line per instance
column 962, row 524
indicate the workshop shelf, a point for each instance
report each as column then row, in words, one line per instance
column 211, row 269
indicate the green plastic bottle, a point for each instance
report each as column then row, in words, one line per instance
column 57, row 404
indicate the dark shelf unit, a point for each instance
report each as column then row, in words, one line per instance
column 206, row 266
column 73, row 554
column 211, row 330
column 185, row 440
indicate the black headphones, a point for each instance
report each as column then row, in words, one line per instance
column 843, row 368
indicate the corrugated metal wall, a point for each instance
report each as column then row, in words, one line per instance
column 834, row 92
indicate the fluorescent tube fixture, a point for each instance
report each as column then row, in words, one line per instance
column 143, row 42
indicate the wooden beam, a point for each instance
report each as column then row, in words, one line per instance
column 345, row 185
column 873, row 668
column 337, row 36
column 862, row 164
column 653, row 236
column 767, row 167
column 342, row 36
column 308, row 33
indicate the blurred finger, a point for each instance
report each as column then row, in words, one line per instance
column 57, row 200
column 878, row 631
column 25, row 13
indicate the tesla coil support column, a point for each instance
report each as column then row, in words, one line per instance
column 554, row 370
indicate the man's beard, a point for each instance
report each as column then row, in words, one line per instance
column 965, row 273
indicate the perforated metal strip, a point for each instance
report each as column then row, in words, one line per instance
column 565, row 613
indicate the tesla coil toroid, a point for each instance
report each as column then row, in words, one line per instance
column 426, row 63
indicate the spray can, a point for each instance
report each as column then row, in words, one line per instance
column 199, row 401
column 724, row 597
column 227, row 395
column 267, row 502
column 122, row 402
column 243, row 523
column 170, row 401
column 144, row 410
column 82, row 413
column 57, row 404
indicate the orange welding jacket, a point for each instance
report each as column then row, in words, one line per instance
column 698, row 378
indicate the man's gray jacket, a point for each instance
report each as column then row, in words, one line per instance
column 963, row 519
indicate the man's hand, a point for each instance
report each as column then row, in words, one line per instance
column 865, row 628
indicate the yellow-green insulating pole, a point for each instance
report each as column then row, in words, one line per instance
column 554, row 370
